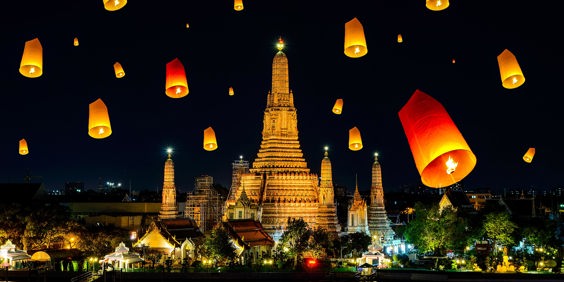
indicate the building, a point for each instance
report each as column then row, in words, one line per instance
column 357, row 219
column 279, row 181
column 378, row 222
column 169, row 233
column 204, row 204
column 258, row 244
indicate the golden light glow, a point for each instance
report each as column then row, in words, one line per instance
column 509, row 70
column 31, row 64
column 23, row 147
column 176, row 82
column 355, row 140
column 118, row 70
column 400, row 38
column 355, row 43
column 435, row 141
column 528, row 157
column 231, row 92
column 437, row 5
column 338, row 107
column 280, row 44
column 99, row 120
column 114, row 5
column 210, row 143
column 75, row 41
column 238, row 5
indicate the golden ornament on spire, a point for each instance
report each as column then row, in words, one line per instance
column 280, row 45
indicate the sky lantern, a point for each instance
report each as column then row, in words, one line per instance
column 338, row 107
column 99, row 120
column 238, row 5
column 511, row 74
column 210, row 143
column 118, row 70
column 31, row 64
column 355, row 43
column 400, row 38
column 75, row 41
column 114, row 5
column 437, row 5
column 441, row 154
column 23, row 147
column 528, row 157
column 231, row 92
column 355, row 141
column 176, row 83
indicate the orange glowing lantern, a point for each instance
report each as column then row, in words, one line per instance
column 511, row 74
column 31, row 64
column 75, row 41
column 99, row 120
column 176, row 83
column 355, row 141
column 118, row 70
column 528, row 157
column 355, row 43
column 338, row 107
column 23, row 147
column 231, row 92
column 441, row 154
column 437, row 5
column 400, row 38
column 238, row 5
column 210, row 143
column 114, row 5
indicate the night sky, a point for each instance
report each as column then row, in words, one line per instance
column 223, row 48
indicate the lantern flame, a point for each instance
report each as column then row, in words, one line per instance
column 101, row 131
column 32, row 70
column 116, row 2
column 439, row 3
column 451, row 165
column 178, row 90
column 357, row 50
column 514, row 80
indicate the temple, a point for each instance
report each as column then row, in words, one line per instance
column 378, row 222
column 279, row 183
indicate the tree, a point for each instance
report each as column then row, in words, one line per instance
column 218, row 246
column 499, row 228
column 294, row 240
column 436, row 230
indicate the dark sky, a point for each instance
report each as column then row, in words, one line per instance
column 223, row 48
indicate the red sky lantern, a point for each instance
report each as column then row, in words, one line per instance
column 176, row 82
column 441, row 154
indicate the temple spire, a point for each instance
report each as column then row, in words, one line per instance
column 169, row 208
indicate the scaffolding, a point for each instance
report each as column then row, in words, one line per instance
column 204, row 204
